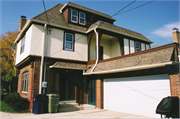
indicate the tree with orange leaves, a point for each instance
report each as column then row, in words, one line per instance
column 8, row 49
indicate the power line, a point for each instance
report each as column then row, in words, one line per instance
column 136, row 7
column 123, row 8
column 45, row 11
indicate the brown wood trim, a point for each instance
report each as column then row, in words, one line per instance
column 102, row 94
column 176, row 53
column 23, row 61
column 76, row 94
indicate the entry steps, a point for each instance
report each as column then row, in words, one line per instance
column 71, row 105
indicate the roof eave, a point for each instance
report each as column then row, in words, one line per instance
column 133, row 68
column 118, row 33
column 30, row 21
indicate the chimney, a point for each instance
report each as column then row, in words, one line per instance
column 175, row 34
column 22, row 22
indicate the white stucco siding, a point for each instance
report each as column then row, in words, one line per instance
column 55, row 46
column 115, row 48
column 106, row 48
column 37, row 38
column 23, row 55
column 92, row 48
column 136, row 95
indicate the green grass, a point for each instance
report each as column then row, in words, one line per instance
column 5, row 108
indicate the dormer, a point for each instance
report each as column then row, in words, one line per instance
column 82, row 16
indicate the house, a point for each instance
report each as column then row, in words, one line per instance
column 81, row 55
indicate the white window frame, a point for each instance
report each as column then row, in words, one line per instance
column 22, row 45
column 136, row 47
column 82, row 18
column 74, row 16
column 69, row 42
column 24, row 85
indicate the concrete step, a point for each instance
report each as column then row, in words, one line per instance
column 88, row 107
column 68, row 105
column 69, row 109
column 67, row 101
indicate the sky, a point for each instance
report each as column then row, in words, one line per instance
column 154, row 20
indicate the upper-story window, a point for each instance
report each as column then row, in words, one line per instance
column 22, row 45
column 24, row 84
column 82, row 18
column 137, row 46
column 69, row 42
column 74, row 16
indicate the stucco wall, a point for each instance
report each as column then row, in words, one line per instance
column 34, row 44
column 23, row 55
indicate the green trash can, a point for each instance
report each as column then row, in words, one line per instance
column 53, row 102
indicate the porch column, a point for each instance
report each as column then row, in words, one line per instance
column 174, row 79
column 99, row 94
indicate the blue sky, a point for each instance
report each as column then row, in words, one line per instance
column 154, row 20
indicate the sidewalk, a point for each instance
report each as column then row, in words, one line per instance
column 95, row 113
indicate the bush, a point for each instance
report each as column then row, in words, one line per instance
column 17, row 102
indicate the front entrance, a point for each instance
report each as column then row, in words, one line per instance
column 92, row 92
column 67, row 85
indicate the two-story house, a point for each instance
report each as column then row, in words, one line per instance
column 81, row 55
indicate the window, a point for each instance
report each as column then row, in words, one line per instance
column 137, row 46
column 69, row 41
column 22, row 45
column 74, row 16
column 25, row 82
column 82, row 18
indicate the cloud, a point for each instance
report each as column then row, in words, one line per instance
column 166, row 30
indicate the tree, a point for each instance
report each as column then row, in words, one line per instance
column 7, row 55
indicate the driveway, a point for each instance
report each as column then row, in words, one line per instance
column 95, row 113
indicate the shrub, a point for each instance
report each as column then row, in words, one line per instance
column 17, row 102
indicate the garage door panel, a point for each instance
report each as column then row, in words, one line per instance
column 136, row 95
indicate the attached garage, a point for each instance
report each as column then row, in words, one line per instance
column 136, row 95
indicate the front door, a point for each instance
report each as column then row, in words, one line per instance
column 92, row 92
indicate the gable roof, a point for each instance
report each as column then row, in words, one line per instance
column 153, row 57
column 86, row 9
column 117, row 29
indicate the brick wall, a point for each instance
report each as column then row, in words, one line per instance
column 175, row 84
column 19, row 89
column 65, row 13
column 99, row 94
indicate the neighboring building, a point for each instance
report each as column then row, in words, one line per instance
column 80, row 54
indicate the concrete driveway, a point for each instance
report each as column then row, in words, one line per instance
column 95, row 113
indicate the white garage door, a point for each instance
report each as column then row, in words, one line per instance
column 139, row 95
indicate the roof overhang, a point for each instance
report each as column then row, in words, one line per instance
column 132, row 68
column 96, row 27
column 31, row 21
column 65, row 65
column 72, row 5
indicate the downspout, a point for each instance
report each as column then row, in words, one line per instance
column 97, row 50
column 42, row 59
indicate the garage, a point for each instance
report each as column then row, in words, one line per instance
column 136, row 95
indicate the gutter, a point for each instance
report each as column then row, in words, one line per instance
column 133, row 68
column 42, row 58
column 97, row 50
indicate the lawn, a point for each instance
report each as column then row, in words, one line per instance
column 5, row 108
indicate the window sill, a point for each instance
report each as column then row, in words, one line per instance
column 24, row 92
